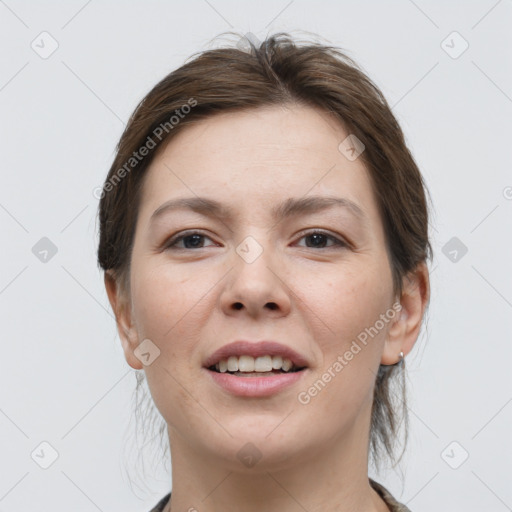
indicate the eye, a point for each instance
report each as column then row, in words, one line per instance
column 195, row 240
column 319, row 238
column 191, row 240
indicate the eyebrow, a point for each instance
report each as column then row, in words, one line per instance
column 292, row 206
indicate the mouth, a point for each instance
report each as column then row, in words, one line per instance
column 261, row 366
column 255, row 369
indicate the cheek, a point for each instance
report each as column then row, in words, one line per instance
column 350, row 305
column 166, row 305
column 161, row 297
column 170, row 305
column 347, row 302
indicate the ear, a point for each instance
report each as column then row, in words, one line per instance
column 122, row 310
column 404, row 332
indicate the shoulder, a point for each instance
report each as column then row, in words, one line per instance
column 394, row 506
column 161, row 504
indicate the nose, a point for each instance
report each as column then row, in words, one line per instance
column 257, row 288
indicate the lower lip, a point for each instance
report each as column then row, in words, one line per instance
column 255, row 386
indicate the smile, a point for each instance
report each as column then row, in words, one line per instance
column 244, row 366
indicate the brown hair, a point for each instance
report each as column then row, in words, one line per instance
column 280, row 71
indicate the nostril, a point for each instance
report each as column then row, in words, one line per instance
column 271, row 305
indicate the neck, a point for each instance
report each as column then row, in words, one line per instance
column 334, row 479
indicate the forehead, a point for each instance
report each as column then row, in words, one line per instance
column 258, row 158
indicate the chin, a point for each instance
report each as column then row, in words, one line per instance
column 260, row 443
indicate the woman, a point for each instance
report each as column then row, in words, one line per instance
column 264, row 237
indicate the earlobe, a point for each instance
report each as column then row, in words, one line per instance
column 402, row 335
column 393, row 346
column 125, row 326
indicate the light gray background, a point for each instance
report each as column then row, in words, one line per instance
column 64, row 379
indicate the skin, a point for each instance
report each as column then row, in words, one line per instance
column 314, row 456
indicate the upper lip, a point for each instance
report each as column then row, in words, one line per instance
column 256, row 349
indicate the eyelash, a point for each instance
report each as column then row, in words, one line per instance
column 171, row 245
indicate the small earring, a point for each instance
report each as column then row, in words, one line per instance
column 400, row 361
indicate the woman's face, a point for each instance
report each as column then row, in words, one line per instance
column 316, row 280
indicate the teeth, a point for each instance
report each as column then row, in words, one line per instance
column 277, row 362
column 245, row 363
column 263, row 364
column 250, row 364
column 287, row 364
column 233, row 364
